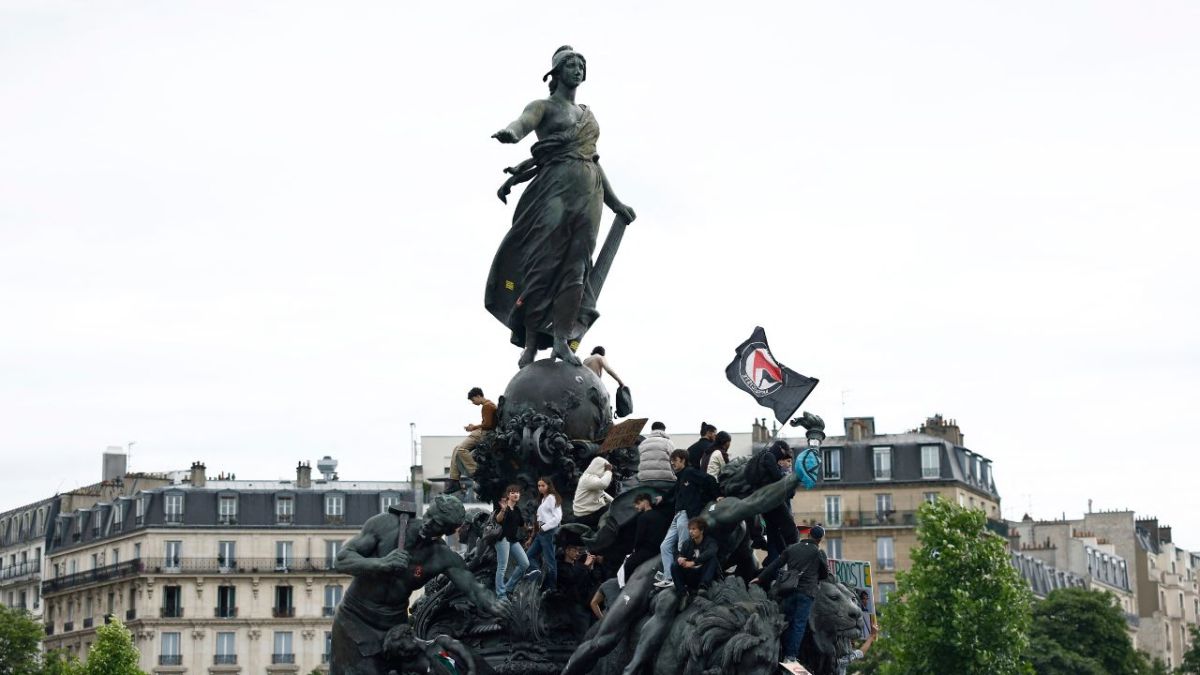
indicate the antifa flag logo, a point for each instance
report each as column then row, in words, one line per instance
column 756, row 371
column 760, row 373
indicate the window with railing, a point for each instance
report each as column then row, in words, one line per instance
column 139, row 513
column 226, row 554
column 283, row 648
column 169, row 653
column 172, row 607
column 226, row 654
column 173, row 508
column 332, row 548
column 884, row 509
column 173, row 555
column 285, row 509
column 227, row 509
column 333, row 598
column 283, row 602
column 226, row 602
column 885, row 553
column 931, row 461
column 833, row 510
column 833, row 548
column 883, row 463
column 335, row 506
column 283, row 555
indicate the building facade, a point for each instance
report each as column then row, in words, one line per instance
column 872, row 484
column 22, row 549
column 211, row 576
column 1115, row 549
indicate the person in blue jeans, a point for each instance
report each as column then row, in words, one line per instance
column 549, row 516
column 808, row 565
column 692, row 490
column 508, row 515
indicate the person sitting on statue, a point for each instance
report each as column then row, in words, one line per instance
column 461, row 459
column 807, row 565
column 549, row 516
column 717, row 455
column 508, row 515
column 386, row 571
column 654, row 456
column 591, row 501
column 650, row 528
column 696, row 565
column 693, row 489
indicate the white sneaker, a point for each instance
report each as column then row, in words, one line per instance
column 664, row 583
column 658, row 576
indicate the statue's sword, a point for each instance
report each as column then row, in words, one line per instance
column 604, row 261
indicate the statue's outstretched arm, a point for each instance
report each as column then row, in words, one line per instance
column 627, row 609
column 730, row 510
column 529, row 120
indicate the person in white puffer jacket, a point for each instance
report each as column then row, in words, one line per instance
column 654, row 456
column 591, row 501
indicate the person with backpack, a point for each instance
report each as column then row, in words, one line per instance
column 769, row 466
column 806, row 567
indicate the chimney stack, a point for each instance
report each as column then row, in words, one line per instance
column 303, row 475
column 114, row 464
column 198, row 478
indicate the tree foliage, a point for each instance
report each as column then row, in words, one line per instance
column 60, row 663
column 20, row 636
column 962, row 608
column 1190, row 664
column 1076, row 630
column 113, row 653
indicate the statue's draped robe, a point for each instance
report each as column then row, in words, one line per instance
column 549, row 248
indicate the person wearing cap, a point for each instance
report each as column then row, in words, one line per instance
column 807, row 565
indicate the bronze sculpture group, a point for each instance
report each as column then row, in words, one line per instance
column 552, row 420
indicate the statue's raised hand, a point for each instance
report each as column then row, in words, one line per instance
column 395, row 561
column 506, row 135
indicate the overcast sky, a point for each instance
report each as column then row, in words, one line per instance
column 251, row 233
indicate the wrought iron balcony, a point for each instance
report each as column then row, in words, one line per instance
column 106, row 573
column 88, row 622
column 172, row 613
column 886, row 564
column 283, row 658
column 225, row 660
column 130, row 614
column 283, row 612
column 227, row 520
column 173, row 518
column 20, row 571
column 848, row 519
column 68, row 626
column 50, row 628
column 170, row 659
column 226, row 612
column 328, row 611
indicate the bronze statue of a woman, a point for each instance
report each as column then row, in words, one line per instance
column 542, row 284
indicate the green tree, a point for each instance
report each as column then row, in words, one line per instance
column 113, row 653
column 20, row 636
column 1076, row 630
column 59, row 663
column 962, row 608
column 1190, row 665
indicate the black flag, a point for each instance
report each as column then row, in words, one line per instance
column 755, row 371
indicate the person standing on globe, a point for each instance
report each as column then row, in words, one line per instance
column 542, row 284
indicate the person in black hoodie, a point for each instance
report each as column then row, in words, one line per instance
column 696, row 565
column 692, row 490
column 807, row 565
column 697, row 450
column 771, row 465
column 651, row 525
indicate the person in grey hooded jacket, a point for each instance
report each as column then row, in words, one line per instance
column 591, row 501
column 654, row 456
